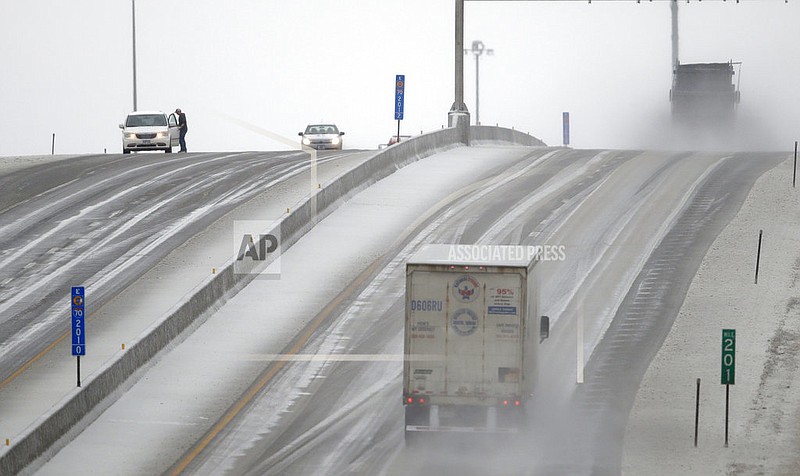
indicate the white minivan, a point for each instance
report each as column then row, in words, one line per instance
column 149, row 130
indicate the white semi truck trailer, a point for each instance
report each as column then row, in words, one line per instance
column 472, row 330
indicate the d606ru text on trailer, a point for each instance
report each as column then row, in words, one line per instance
column 471, row 338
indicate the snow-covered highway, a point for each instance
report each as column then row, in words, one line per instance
column 332, row 405
column 300, row 375
column 102, row 221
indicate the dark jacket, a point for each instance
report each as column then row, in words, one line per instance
column 182, row 121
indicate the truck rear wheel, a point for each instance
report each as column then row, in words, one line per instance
column 412, row 438
column 414, row 416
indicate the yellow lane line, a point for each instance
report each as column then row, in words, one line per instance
column 273, row 370
column 33, row 360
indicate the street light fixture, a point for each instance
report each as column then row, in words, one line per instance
column 478, row 49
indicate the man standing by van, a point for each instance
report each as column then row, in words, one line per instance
column 183, row 128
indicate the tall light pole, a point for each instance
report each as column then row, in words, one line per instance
column 458, row 116
column 133, row 19
column 478, row 48
column 675, row 59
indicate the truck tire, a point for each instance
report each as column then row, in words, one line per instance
column 411, row 438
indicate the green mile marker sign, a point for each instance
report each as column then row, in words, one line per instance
column 728, row 356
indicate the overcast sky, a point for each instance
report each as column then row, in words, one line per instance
column 67, row 68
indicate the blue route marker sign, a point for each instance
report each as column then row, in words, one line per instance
column 78, row 320
column 400, row 88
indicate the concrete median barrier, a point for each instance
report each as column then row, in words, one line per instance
column 491, row 134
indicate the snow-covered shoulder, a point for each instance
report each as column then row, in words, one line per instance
column 764, row 428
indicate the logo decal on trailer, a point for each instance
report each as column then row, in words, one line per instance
column 464, row 322
column 466, row 289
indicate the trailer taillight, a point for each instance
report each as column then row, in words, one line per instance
column 419, row 400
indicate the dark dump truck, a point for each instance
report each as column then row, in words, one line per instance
column 704, row 93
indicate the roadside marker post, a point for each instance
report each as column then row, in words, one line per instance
column 697, row 412
column 78, row 318
column 728, row 376
column 794, row 170
column 758, row 255
column 399, row 100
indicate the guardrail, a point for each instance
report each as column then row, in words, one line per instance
column 54, row 429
